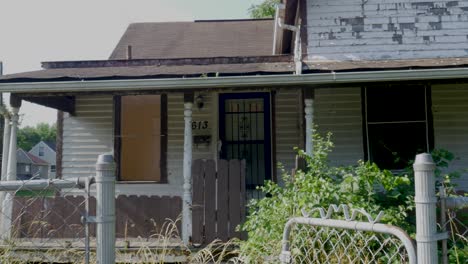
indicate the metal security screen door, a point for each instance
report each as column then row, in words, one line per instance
column 245, row 133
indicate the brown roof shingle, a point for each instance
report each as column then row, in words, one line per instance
column 221, row 38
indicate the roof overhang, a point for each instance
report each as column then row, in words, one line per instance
column 236, row 82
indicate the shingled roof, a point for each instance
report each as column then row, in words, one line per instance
column 199, row 39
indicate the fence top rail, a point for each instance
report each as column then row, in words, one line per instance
column 350, row 225
column 456, row 202
column 44, row 184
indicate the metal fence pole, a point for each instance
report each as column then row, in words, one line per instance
column 425, row 199
column 105, row 209
column 443, row 222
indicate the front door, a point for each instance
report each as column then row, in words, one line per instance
column 245, row 133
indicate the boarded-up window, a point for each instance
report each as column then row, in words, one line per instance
column 141, row 138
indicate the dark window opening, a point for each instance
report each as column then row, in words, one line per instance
column 397, row 123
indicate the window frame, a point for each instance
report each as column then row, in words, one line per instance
column 118, row 141
column 428, row 114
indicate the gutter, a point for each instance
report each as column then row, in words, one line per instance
column 234, row 82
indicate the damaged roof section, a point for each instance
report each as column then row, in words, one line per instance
column 156, row 68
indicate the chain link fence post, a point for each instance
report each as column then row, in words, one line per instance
column 425, row 199
column 105, row 209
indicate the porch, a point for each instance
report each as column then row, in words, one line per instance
column 190, row 123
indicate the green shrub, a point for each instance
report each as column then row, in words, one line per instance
column 320, row 185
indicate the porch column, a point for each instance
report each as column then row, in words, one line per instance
column 187, row 197
column 309, row 119
column 7, row 208
column 15, row 103
column 6, row 144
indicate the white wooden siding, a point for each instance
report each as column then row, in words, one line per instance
column 86, row 135
column 289, row 123
column 450, row 111
column 386, row 29
column 339, row 111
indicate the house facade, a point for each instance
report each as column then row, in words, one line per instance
column 388, row 79
column 29, row 166
column 46, row 151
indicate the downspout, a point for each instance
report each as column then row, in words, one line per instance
column 297, row 38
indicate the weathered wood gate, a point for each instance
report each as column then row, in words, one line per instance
column 218, row 200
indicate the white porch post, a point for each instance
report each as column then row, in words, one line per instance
column 309, row 120
column 6, row 145
column 11, row 171
column 7, row 208
column 187, row 197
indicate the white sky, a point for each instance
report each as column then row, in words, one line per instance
column 32, row 31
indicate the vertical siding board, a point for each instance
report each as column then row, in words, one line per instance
column 243, row 205
column 234, row 199
column 223, row 202
column 210, row 201
column 198, row 201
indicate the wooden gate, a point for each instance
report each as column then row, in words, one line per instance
column 218, row 200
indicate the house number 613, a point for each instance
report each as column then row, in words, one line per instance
column 199, row 125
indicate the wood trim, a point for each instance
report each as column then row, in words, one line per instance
column 429, row 118
column 59, row 148
column 274, row 176
column 189, row 97
column 117, row 133
column 365, row 145
column 164, row 138
column 303, row 17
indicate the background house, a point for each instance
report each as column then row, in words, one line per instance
column 29, row 166
column 45, row 150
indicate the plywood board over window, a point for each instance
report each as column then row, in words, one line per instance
column 141, row 138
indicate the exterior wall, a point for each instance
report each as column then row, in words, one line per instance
column 86, row 135
column 386, row 29
column 49, row 156
column 339, row 111
column 90, row 133
column 289, row 126
column 450, row 112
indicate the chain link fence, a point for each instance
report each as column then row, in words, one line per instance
column 323, row 239
column 453, row 220
column 41, row 222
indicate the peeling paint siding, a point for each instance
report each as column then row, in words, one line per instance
column 86, row 135
column 288, row 116
column 339, row 111
column 386, row 29
column 450, row 112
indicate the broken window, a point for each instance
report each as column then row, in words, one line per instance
column 141, row 139
column 397, row 123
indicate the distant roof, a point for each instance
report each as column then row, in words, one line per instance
column 51, row 144
column 28, row 158
column 37, row 160
column 215, row 38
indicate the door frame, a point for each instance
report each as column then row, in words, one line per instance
column 268, row 122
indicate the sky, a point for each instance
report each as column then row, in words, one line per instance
column 55, row 30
